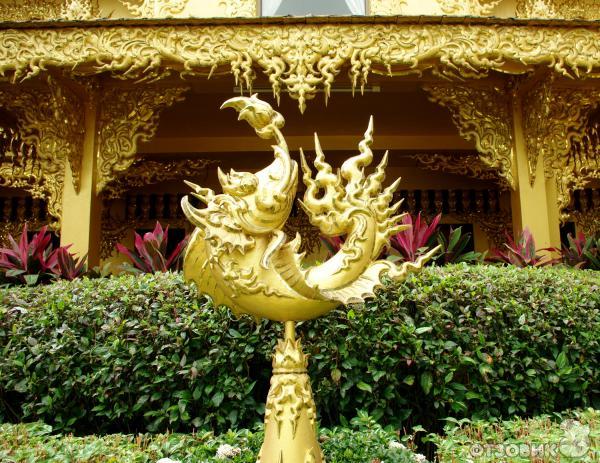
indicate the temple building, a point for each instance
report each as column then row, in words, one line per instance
column 490, row 109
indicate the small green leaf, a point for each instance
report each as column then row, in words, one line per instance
column 426, row 382
column 217, row 399
column 364, row 387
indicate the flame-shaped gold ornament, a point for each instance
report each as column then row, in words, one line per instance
column 239, row 255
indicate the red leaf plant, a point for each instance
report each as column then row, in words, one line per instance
column 36, row 261
column 413, row 242
column 522, row 252
column 150, row 252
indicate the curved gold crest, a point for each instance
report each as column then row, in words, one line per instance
column 240, row 256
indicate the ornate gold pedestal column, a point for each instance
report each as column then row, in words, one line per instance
column 290, row 431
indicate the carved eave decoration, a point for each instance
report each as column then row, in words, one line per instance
column 301, row 59
column 481, row 114
column 467, row 164
column 127, row 117
column 145, row 172
column 51, row 119
column 556, row 125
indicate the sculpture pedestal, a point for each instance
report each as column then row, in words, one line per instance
column 290, row 412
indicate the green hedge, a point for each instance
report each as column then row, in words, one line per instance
column 573, row 437
column 138, row 352
column 24, row 443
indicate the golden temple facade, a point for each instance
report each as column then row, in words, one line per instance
column 490, row 109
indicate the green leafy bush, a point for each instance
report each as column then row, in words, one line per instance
column 573, row 437
column 34, row 442
column 140, row 352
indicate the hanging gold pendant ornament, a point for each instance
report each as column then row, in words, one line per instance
column 240, row 256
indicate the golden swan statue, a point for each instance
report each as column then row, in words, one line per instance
column 240, row 256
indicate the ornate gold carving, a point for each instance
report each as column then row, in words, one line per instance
column 553, row 9
column 28, row 10
column 495, row 225
column 468, row 7
column 128, row 116
column 240, row 8
column 537, row 125
column 469, row 165
column 386, row 7
column 77, row 10
column 155, row 8
column 301, row 59
column 588, row 222
column 581, row 166
column 52, row 120
column 290, row 407
column 240, row 256
column 556, row 121
column 481, row 114
column 145, row 172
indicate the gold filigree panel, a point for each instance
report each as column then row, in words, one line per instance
column 386, row 7
column 51, row 119
column 32, row 10
column 155, row 8
column 466, row 164
column 145, row 172
column 481, row 114
column 129, row 116
column 565, row 9
column 240, row 8
column 556, row 127
column 469, row 7
column 301, row 59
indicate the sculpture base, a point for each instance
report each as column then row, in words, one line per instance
column 290, row 412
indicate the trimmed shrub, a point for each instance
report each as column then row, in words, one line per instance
column 141, row 352
column 34, row 442
column 570, row 438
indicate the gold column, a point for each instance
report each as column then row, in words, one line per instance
column 290, row 412
column 81, row 211
column 533, row 205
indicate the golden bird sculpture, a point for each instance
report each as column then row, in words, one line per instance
column 239, row 255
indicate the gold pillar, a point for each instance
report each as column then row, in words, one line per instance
column 290, row 413
column 81, row 211
column 533, row 206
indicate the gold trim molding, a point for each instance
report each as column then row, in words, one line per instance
column 127, row 117
column 481, row 114
column 301, row 59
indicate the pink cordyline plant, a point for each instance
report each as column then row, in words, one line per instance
column 522, row 252
column 36, row 261
column 412, row 242
column 150, row 252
